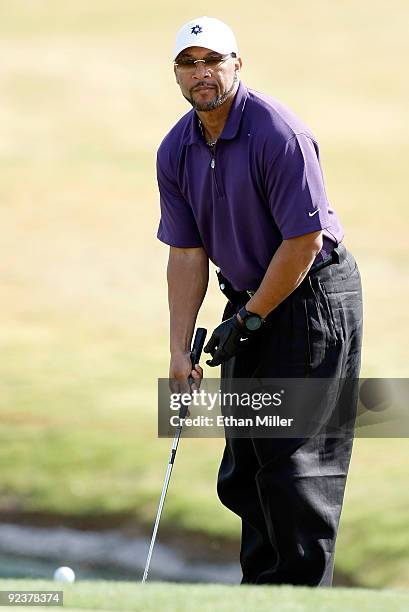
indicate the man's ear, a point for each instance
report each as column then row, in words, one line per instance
column 238, row 64
column 175, row 73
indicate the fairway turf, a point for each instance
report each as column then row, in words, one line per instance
column 167, row 597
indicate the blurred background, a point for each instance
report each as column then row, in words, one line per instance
column 86, row 94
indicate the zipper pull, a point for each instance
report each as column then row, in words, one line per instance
column 213, row 162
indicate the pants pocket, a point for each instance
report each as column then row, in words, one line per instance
column 328, row 313
column 321, row 327
column 314, row 329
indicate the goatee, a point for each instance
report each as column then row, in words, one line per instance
column 217, row 100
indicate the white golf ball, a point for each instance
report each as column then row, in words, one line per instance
column 64, row 574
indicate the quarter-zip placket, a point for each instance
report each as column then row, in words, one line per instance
column 212, row 149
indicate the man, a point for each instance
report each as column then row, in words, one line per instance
column 241, row 184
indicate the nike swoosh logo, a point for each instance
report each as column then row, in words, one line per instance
column 243, row 339
column 313, row 213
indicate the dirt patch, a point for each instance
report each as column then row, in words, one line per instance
column 193, row 546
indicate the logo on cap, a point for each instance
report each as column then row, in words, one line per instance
column 197, row 29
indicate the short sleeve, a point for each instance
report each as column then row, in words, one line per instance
column 295, row 188
column 177, row 225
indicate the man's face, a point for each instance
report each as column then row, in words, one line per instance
column 206, row 88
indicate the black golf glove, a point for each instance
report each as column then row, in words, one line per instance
column 228, row 339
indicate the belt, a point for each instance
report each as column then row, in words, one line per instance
column 235, row 297
column 333, row 257
column 241, row 297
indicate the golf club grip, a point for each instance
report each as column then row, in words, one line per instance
column 198, row 343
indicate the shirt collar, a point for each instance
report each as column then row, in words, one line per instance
column 232, row 124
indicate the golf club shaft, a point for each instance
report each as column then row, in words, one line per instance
column 162, row 500
column 195, row 357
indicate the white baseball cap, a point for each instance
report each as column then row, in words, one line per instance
column 206, row 32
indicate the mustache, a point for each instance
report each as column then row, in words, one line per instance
column 202, row 84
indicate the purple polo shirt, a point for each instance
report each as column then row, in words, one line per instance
column 263, row 185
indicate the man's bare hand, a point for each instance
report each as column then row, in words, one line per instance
column 180, row 370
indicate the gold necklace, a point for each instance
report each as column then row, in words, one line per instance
column 210, row 144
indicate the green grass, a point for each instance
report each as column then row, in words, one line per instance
column 150, row 597
column 87, row 95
